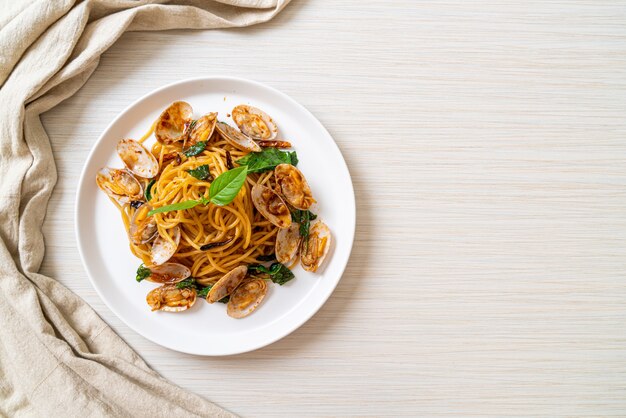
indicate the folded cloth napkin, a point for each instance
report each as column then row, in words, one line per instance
column 57, row 357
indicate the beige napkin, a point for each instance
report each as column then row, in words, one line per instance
column 57, row 357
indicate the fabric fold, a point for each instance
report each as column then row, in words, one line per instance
column 57, row 357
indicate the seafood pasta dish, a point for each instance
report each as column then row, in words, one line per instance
column 214, row 210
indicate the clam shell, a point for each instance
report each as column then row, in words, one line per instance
column 287, row 243
column 162, row 249
column 168, row 273
column 227, row 284
column 169, row 298
column 173, row 123
column 143, row 228
column 313, row 253
column 236, row 138
column 254, row 122
column 294, row 186
column 246, row 298
column 119, row 184
column 271, row 206
column 137, row 158
column 203, row 129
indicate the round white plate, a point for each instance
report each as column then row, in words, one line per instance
column 206, row 329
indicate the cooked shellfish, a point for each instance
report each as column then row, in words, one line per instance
column 168, row 273
column 313, row 251
column 254, row 122
column 163, row 249
column 143, row 228
column 173, row 123
column 287, row 243
column 236, row 138
column 137, row 158
column 169, row 298
column 271, row 206
column 119, row 184
column 227, row 284
column 246, row 298
column 293, row 186
column 203, row 129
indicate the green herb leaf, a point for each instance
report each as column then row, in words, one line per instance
column 143, row 272
column 188, row 282
column 148, row 193
column 277, row 272
column 203, row 293
column 226, row 186
column 304, row 218
column 195, row 149
column 201, row 172
column 187, row 204
column 268, row 159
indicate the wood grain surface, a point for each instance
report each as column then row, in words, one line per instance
column 486, row 142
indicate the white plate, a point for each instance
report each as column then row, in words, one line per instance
column 206, row 329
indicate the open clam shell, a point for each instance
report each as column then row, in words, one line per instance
column 314, row 250
column 143, row 228
column 293, row 186
column 169, row 298
column 203, row 129
column 246, row 298
column 271, row 206
column 236, row 138
column 287, row 243
column 119, row 184
column 163, row 249
column 173, row 123
column 254, row 122
column 168, row 273
column 227, row 284
column 137, row 158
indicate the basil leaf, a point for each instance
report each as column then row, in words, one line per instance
column 195, row 149
column 148, row 193
column 143, row 272
column 188, row 282
column 204, row 292
column 304, row 218
column 268, row 159
column 226, row 186
column 187, row 204
column 278, row 273
column 201, row 172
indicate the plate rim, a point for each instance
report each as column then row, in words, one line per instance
column 259, row 344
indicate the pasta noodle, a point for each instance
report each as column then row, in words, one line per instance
column 249, row 233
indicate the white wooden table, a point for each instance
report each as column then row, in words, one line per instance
column 487, row 145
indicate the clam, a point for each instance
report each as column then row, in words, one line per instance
column 246, row 298
column 168, row 273
column 293, row 186
column 236, row 138
column 203, row 129
column 173, row 123
column 169, row 298
column 271, row 206
column 137, row 158
column 119, row 184
column 287, row 243
column 227, row 284
column 163, row 249
column 254, row 122
column 143, row 228
column 313, row 251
